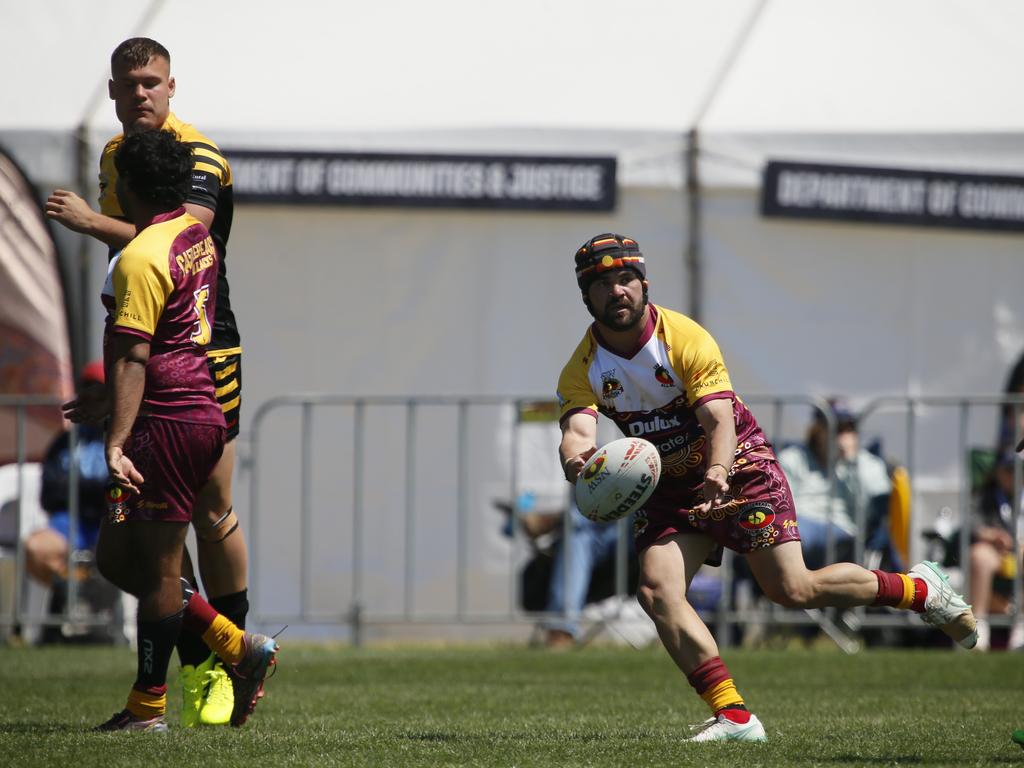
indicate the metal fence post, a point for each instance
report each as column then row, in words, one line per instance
column 410, row 519
column 356, row 616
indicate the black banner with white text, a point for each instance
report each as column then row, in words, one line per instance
column 424, row 181
column 894, row 196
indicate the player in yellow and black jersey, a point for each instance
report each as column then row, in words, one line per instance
column 211, row 191
column 141, row 87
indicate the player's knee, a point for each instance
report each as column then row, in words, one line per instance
column 35, row 551
column 645, row 596
column 984, row 556
column 656, row 598
column 212, row 529
column 794, row 593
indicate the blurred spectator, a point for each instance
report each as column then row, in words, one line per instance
column 993, row 559
column 861, row 481
column 1011, row 428
column 993, row 555
column 590, row 562
column 46, row 550
column 590, row 547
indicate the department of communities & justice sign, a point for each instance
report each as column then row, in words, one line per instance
column 893, row 195
column 419, row 180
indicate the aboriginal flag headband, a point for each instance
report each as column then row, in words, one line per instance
column 605, row 252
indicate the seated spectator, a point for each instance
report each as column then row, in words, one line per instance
column 590, row 546
column 539, row 507
column 46, row 550
column 861, row 480
column 993, row 559
column 590, row 558
column 1009, row 425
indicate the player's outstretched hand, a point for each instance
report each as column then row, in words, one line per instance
column 574, row 464
column 70, row 210
column 122, row 471
column 91, row 406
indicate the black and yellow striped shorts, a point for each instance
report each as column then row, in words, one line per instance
column 226, row 370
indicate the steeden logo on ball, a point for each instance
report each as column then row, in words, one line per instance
column 618, row 479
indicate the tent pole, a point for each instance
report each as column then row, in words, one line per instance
column 694, row 269
column 81, row 350
column 694, row 265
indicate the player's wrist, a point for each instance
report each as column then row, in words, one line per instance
column 725, row 469
column 89, row 222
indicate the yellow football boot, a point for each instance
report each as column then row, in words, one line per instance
column 220, row 697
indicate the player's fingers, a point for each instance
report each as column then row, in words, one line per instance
column 122, row 479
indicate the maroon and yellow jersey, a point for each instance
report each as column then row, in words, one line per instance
column 211, row 188
column 654, row 392
column 163, row 288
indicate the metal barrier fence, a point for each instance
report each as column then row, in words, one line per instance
column 15, row 505
column 382, row 546
column 362, row 610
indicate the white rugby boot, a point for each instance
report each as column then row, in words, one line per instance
column 721, row 728
column 944, row 607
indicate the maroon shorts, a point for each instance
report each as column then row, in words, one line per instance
column 758, row 511
column 175, row 459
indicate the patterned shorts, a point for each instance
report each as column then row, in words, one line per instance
column 758, row 512
column 175, row 459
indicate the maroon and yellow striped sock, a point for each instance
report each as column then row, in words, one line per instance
column 220, row 634
column 900, row 591
column 713, row 683
column 147, row 703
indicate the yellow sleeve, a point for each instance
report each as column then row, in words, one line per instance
column 574, row 390
column 142, row 286
column 698, row 361
column 109, row 204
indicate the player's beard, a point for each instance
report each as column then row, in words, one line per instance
column 611, row 319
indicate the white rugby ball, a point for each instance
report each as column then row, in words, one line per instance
column 618, row 479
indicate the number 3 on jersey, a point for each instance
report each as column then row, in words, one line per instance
column 202, row 334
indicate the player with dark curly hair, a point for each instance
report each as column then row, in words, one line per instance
column 141, row 87
column 157, row 166
column 166, row 430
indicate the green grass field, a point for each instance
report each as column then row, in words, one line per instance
column 510, row 706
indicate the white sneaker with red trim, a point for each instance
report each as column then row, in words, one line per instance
column 721, row 728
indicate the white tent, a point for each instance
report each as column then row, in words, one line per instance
column 912, row 83
column 413, row 302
